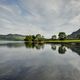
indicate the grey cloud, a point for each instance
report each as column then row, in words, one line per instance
column 40, row 16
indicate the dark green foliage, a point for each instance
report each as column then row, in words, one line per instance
column 33, row 38
column 29, row 45
column 29, row 38
column 38, row 36
column 34, row 45
column 62, row 35
column 62, row 49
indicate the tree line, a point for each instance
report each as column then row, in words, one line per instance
column 34, row 38
column 39, row 37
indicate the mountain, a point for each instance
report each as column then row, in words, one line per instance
column 12, row 37
column 74, row 35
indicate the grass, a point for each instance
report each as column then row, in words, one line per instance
column 62, row 41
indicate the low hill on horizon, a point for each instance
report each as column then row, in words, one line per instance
column 12, row 37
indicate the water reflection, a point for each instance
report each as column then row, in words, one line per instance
column 34, row 45
column 18, row 61
column 12, row 44
column 53, row 46
column 75, row 47
column 62, row 49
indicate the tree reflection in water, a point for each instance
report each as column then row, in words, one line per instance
column 62, row 49
column 75, row 47
column 53, row 46
column 34, row 45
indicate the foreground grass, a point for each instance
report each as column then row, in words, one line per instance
column 63, row 41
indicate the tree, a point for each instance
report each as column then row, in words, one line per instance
column 62, row 35
column 39, row 37
column 33, row 38
column 29, row 38
column 54, row 37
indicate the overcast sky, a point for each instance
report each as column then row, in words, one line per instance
column 46, row 17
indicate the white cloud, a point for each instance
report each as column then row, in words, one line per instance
column 76, row 20
column 40, row 16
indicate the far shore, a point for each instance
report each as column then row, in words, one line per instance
column 54, row 41
column 48, row 41
column 62, row 41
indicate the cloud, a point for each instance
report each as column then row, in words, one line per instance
column 76, row 20
column 46, row 17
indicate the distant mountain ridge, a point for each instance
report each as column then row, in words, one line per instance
column 12, row 37
column 74, row 34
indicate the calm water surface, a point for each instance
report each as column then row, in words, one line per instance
column 19, row 61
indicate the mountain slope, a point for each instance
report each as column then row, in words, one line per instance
column 74, row 35
column 12, row 37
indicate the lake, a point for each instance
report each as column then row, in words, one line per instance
column 27, row 61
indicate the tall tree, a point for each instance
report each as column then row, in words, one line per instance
column 62, row 35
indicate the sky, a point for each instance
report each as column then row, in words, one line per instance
column 46, row 17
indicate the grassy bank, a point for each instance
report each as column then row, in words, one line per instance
column 62, row 41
